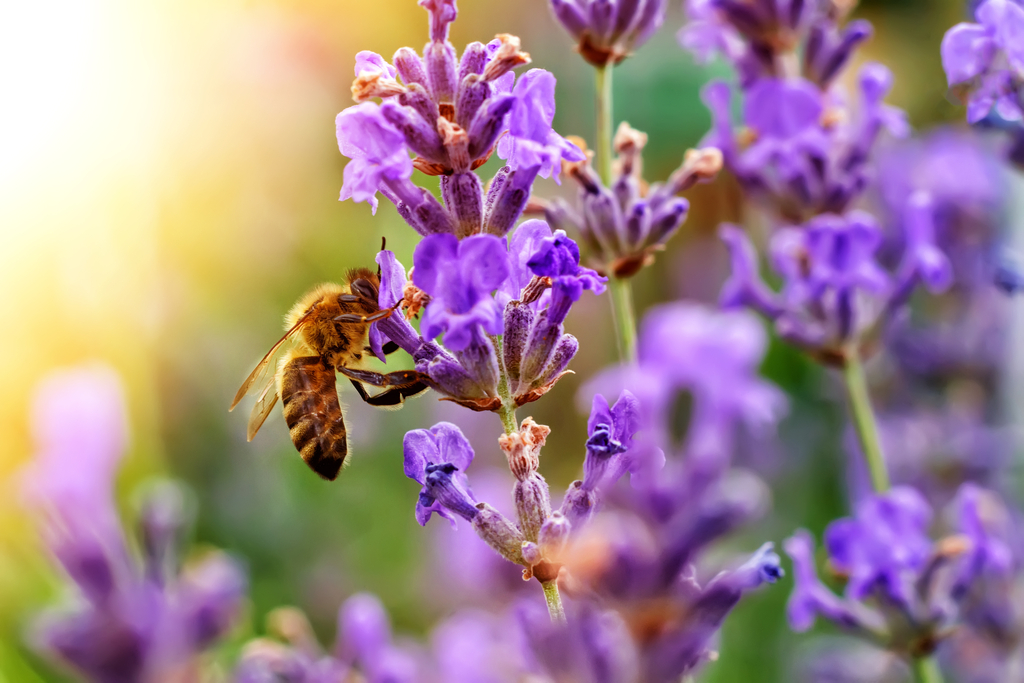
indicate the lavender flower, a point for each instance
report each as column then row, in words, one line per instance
column 607, row 31
column 132, row 622
column 763, row 39
column 625, row 225
column 364, row 648
column 455, row 282
column 834, row 291
column 451, row 114
column 902, row 589
column 984, row 62
column 809, row 153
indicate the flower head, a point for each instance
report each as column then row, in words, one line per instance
column 607, row 31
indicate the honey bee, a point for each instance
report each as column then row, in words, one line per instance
column 327, row 332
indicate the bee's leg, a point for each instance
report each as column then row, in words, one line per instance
column 372, row 318
column 397, row 385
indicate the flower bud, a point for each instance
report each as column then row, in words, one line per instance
column 488, row 124
column 474, row 59
column 499, row 533
column 439, row 59
column 553, row 536
column 463, row 195
column 540, row 347
column 578, row 505
column 510, row 200
column 532, row 553
column 410, row 67
column 518, row 320
column 420, row 136
column 533, row 504
column 473, row 92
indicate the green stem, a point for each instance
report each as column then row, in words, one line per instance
column 864, row 420
column 621, row 292
column 605, row 123
column 926, row 670
column 554, row 601
column 507, row 412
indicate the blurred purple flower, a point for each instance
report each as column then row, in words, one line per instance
column 810, row 151
column 985, row 61
column 607, row 31
column 135, row 623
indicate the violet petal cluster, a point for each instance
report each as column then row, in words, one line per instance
column 803, row 150
column 607, row 31
column 364, row 649
column 478, row 291
column 834, row 290
column 624, row 225
column 984, row 61
column 132, row 620
column 773, row 38
column 902, row 589
column 450, row 112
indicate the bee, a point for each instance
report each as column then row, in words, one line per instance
column 327, row 332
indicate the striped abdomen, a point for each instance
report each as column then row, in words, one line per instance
column 313, row 413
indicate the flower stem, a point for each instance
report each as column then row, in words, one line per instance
column 554, row 601
column 621, row 291
column 926, row 670
column 864, row 420
column 507, row 411
column 604, row 123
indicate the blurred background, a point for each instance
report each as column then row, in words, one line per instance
column 169, row 178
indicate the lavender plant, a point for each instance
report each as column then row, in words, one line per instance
column 629, row 560
column 128, row 617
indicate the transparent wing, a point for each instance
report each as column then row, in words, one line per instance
column 266, row 367
column 265, row 402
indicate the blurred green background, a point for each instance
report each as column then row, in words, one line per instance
column 168, row 187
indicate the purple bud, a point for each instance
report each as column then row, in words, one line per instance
column 518, row 321
column 667, row 220
column 578, row 505
column 509, row 201
column 481, row 362
column 410, row 67
column 463, row 195
column 533, row 504
column 421, row 136
column 474, row 59
column 488, row 124
column 450, row 377
column 554, row 534
column 473, row 92
column 745, row 286
column 564, row 353
column 162, row 519
column 532, row 553
column 499, row 533
column 212, row 595
column 568, row 13
column 540, row 347
column 441, row 67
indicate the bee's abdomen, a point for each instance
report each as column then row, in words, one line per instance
column 309, row 395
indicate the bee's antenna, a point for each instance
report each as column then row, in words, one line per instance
column 383, row 245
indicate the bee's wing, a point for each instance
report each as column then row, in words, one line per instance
column 265, row 402
column 265, row 368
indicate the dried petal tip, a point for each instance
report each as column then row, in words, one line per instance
column 952, row 546
column 629, row 140
column 508, row 56
column 704, row 163
column 369, row 84
column 522, row 448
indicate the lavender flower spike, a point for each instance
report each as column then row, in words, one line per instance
column 607, row 31
column 984, row 62
column 438, row 458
